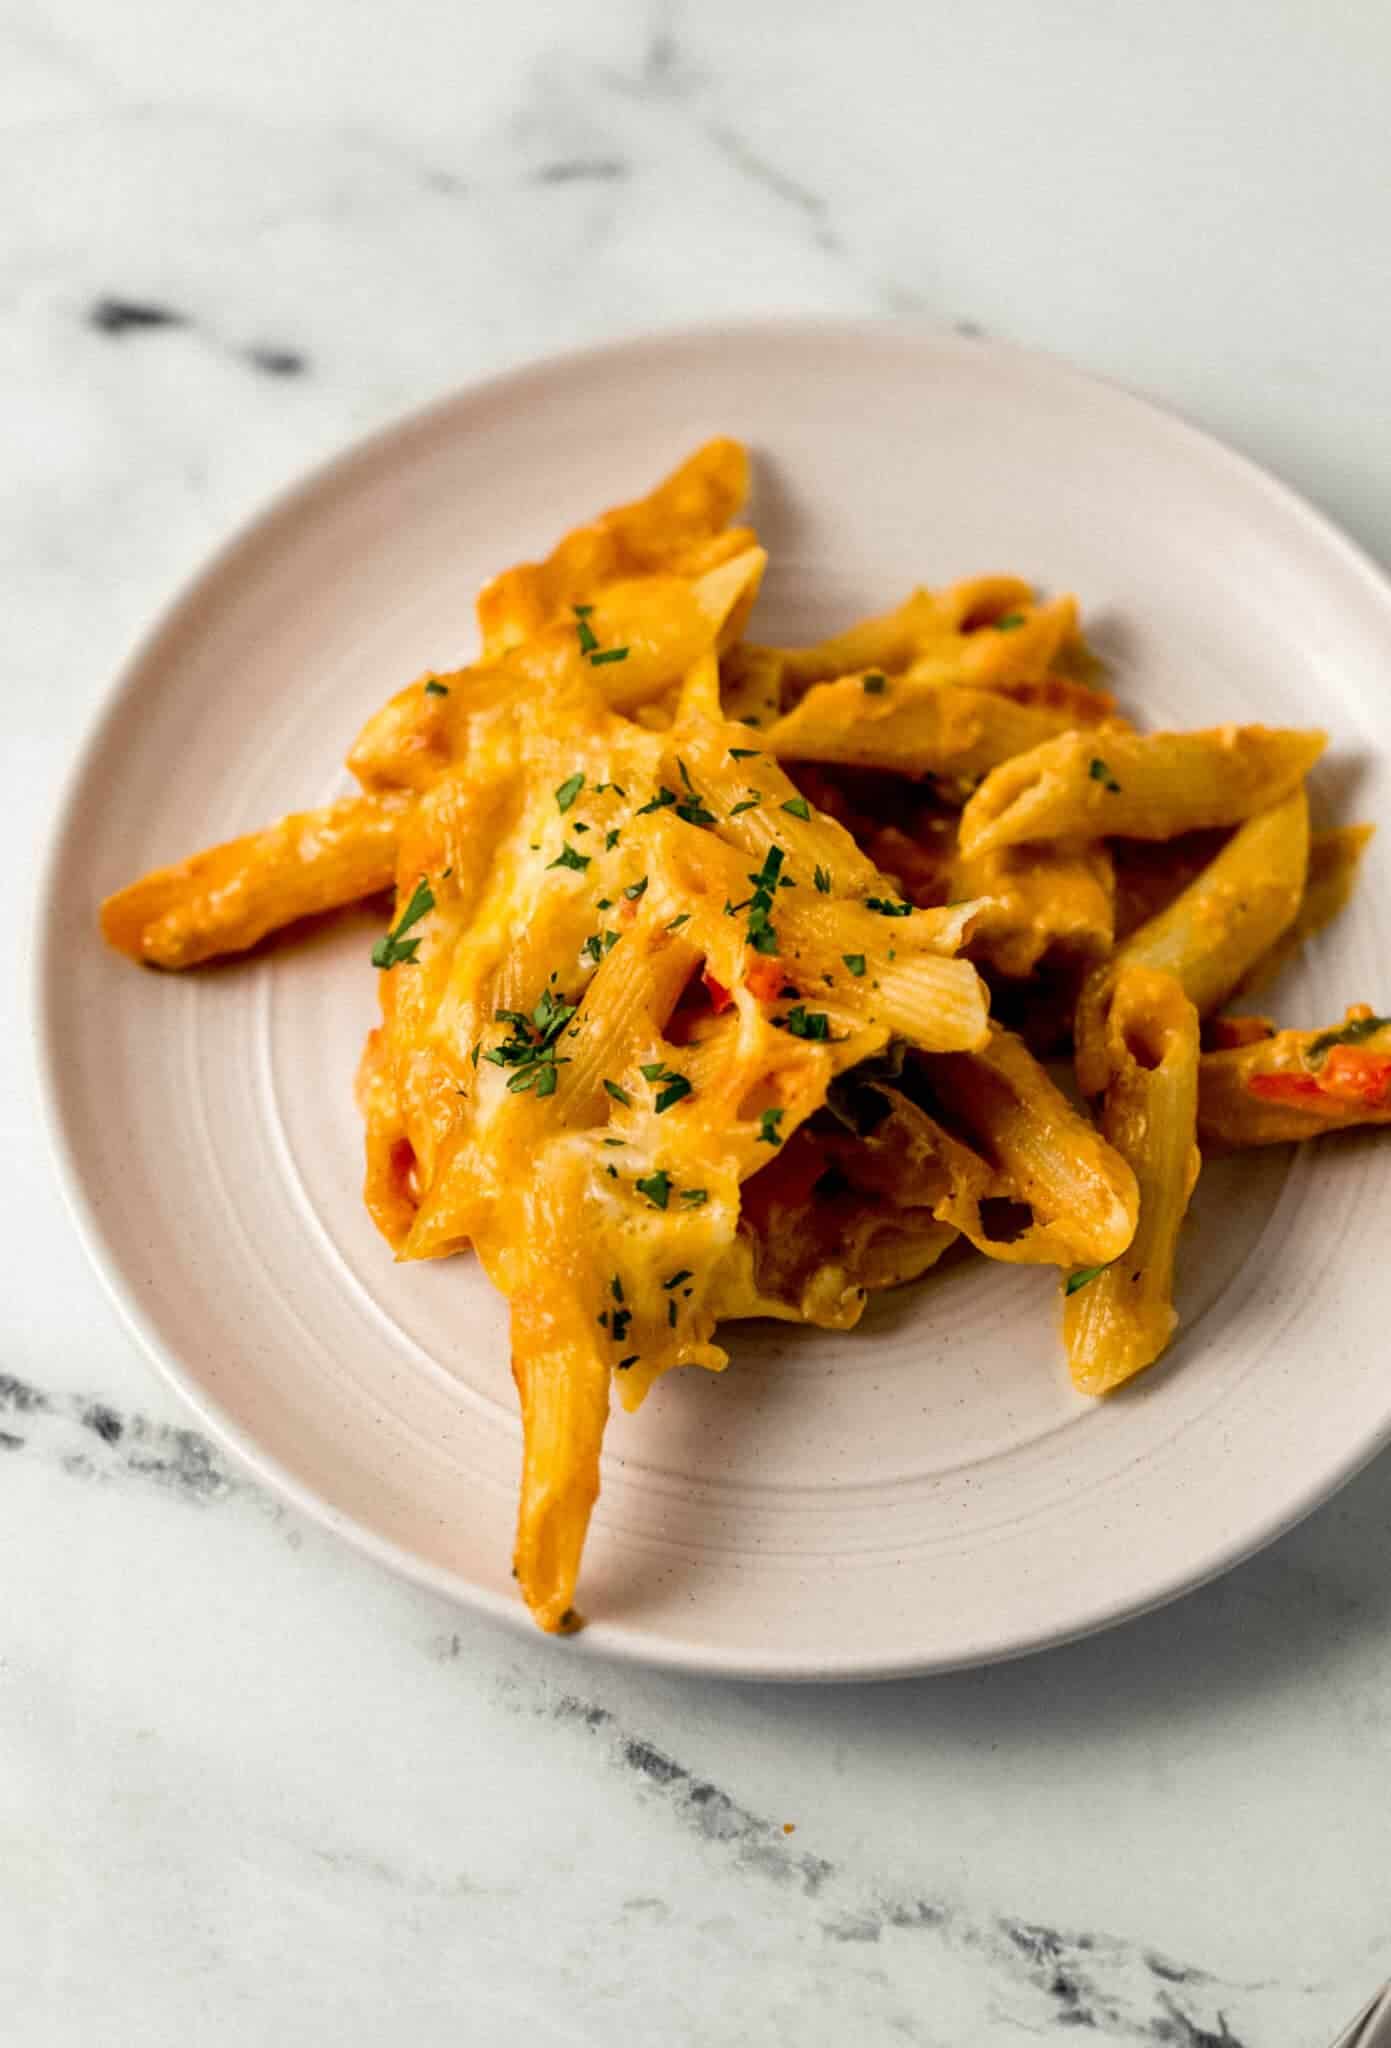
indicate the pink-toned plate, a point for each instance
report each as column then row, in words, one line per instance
column 926, row 1491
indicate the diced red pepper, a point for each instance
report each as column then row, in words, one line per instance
column 1351, row 1073
column 766, row 977
column 720, row 997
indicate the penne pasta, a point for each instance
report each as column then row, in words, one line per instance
column 920, row 728
column 1040, row 899
column 1137, row 785
column 1118, row 1319
column 1335, row 857
column 232, row 896
column 1289, row 1085
column 1212, row 934
column 1081, row 1192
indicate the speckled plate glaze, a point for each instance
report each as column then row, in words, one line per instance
column 926, row 1492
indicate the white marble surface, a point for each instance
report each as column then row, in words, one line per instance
column 249, row 1787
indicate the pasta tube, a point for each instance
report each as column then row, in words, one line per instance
column 1137, row 785
column 1118, row 1320
column 917, row 728
column 1298, row 1084
column 227, row 898
column 1209, row 936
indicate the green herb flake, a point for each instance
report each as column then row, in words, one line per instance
column 611, row 839
column 855, row 962
column 1083, row 1277
column 800, row 1022
column 694, row 1198
column 677, row 922
column 1010, row 623
column 435, row 688
column 874, row 684
column 619, row 1095
column 797, row 807
column 675, row 1090
column 744, row 753
column 887, row 907
column 768, row 1127
column 568, row 791
column 822, row 879
column 607, row 655
column 750, row 803
column 677, row 1278
column 1099, row 772
column 588, row 643
column 661, row 801
column 636, row 889
column 390, row 951
column 1355, row 1033
column 671, row 1314
column 657, row 1188
column 569, row 857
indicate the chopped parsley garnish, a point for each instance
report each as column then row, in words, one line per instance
column 749, row 803
column 694, row 812
column 822, row 879
column 661, row 801
column 677, row 922
column 694, row 1198
column 578, row 825
column 677, row 1278
column 657, row 1188
column 607, row 655
column 855, row 962
column 768, row 1127
column 671, row 1314
column 886, row 907
column 604, row 903
column 597, row 945
column 568, row 791
column 474, row 1054
column 744, row 753
column 1352, row 1033
column 797, row 807
column 619, row 1095
column 874, row 684
column 1083, row 1277
column 588, row 643
column 1099, row 772
column 632, row 1359
column 636, row 889
column 1010, row 623
column 616, row 1287
column 671, row 1086
column 435, row 688
column 619, row 1323
column 759, row 932
column 531, row 1047
column 611, row 839
column 600, row 787
column 801, row 1022
column 569, row 857
column 395, row 947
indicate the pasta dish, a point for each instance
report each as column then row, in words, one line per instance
column 731, row 980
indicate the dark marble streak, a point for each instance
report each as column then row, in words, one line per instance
column 749, row 164
column 116, row 317
column 111, row 315
column 89, row 1440
column 596, row 170
column 1083, row 1982
column 278, row 362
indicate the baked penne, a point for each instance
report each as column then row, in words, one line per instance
column 686, row 993
column 1137, row 785
column 1119, row 1316
column 230, row 897
column 1290, row 1085
column 1212, row 934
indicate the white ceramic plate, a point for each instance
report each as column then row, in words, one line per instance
column 927, row 1491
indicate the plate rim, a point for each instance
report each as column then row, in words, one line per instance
column 616, row 1642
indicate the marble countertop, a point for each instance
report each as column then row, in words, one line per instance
column 252, row 1788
